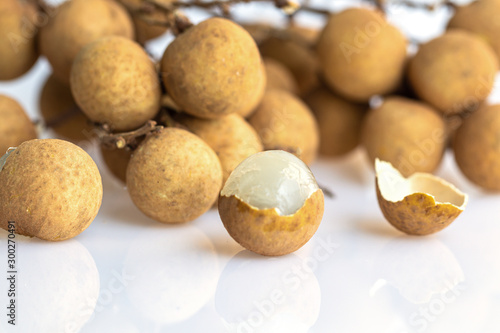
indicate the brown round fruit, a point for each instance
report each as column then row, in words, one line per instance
column 51, row 188
column 174, row 176
column 408, row 134
column 114, row 82
column 339, row 122
column 284, row 122
column 279, row 77
column 15, row 127
column 77, row 23
column 361, row 54
column 213, row 69
column 477, row 147
column 145, row 31
column 454, row 72
column 117, row 161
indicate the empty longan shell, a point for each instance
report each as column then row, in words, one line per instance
column 18, row 50
column 51, row 188
column 213, row 69
column 361, row 54
column 15, row 127
column 114, row 81
column 77, row 23
column 409, row 134
column 453, row 72
column 284, row 122
column 477, row 149
column 339, row 122
column 174, row 176
column 279, row 77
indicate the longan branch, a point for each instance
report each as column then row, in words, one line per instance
column 121, row 140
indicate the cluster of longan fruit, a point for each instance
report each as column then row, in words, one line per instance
column 224, row 92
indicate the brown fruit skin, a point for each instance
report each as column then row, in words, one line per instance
column 76, row 24
column 284, row 122
column 114, row 82
column 213, row 69
column 264, row 231
column 174, row 176
column 279, row 77
column 117, row 161
column 408, row 134
column 145, row 32
column 480, row 17
column 418, row 214
column 361, row 54
column 231, row 137
column 477, row 147
column 454, row 72
column 18, row 51
column 15, row 127
column 61, row 114
column 339, row 122
column 51, row 188
column 260, row 90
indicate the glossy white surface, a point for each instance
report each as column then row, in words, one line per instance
column 128, row 273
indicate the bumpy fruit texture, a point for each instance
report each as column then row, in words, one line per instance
column 117, row 161
column 408, row 134
column 231, row 137
column 279, row 76
column 51, row 188
column 454, row 72
column 480, row 17
column 78, row 23
column 18, row 51
column 213, row 69
column 174, row 176
column 477, row 147
column 284, row 122
column 15, row 127
column 114, row 82
column 361, row 54
column 61, row 114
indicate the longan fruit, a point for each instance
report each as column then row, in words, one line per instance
column 77, row 23
column 480, row 17
column 18, row 51
column 145, row 32
column 51, row 188
column 231, row 137
column 284, row 122
column 115, row 82
column 117, row 161
column 213, row 69
column 174, row 176
column 279, row 77
column 15, row 127
column 361, row 54
column 60, row 112
column 408, row 134
column 454, row 72
column 339, row 122
column 260, row 89
column 477, row 148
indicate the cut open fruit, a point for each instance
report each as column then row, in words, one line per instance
column 421, row 204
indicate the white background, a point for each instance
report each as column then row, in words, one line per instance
column 127, row 273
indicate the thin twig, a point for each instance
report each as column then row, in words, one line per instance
column 121, row 140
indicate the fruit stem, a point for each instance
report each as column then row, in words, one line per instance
column 126, row 139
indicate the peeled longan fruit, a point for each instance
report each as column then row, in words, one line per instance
column 114, row 82
column 60, row 112
column 408, row 134
column 279, row 77
column 213, row 69
column 454, row 72
column 231, row 137
column 480, row 17
column 284, row 122
column 271, row 203
column 117, row 161
column 15, row 127
column 361, row 54
column 477, row 149
column 51, row 188
column 174, row 176
column 339, row 122
column 18, row 51
column 77, row 23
